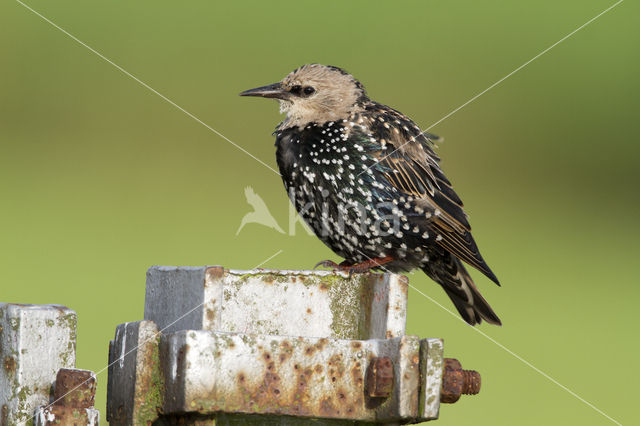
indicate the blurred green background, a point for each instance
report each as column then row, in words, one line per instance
column 100, row 178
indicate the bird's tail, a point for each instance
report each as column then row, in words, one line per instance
column 464, row 294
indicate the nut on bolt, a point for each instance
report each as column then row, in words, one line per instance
column 456, row 381
column 379, row 382
column 73, row 394
column 74, row 388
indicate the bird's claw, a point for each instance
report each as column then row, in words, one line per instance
column 344, row 267
column 358, row 268
column 327, row 264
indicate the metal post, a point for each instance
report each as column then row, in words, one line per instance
column 35, row 342
column 272, row 347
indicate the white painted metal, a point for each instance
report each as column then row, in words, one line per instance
column 253, row 341
column 209, row 372
column 278, row 302
column 35, row 342
column 431, row 359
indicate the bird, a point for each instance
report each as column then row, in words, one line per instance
column 260, row 213
column 368, row 182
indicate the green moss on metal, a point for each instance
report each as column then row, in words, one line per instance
column 69, row 322
column 151, row 399
column 23, row 416
column 249, row 340
column 228, row 341
column 345, row 295
column 366, row 303
column 15, row 323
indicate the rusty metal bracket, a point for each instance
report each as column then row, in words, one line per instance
column 206, row 372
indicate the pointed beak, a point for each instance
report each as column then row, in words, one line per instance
column 271, row 91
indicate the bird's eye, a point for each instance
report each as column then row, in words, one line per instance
column 309, row 90
column 295, row 89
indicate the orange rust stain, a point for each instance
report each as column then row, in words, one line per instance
column 322, row 343
column 214, row 272
column 356, row 374
column 210, row 314
column 10, row 364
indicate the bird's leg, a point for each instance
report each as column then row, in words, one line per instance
column 369, row 264
column 333, row 265
column 358, row 267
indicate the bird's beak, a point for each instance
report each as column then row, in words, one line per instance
column 271, row 91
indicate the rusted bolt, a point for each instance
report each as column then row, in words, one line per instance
column 74, row 388
column 379, row 378
column 456, row 381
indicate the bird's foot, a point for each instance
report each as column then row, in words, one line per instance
column 359, row 268
column 331, row 264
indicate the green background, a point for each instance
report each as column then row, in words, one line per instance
column 101, row 178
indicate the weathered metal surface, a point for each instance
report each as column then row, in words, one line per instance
column 276, row 347
column 259, row 420
column 431, row 358
column 406, row 363
column 75, row 388
column 456, row 381
column 61, row 415
column 379, row 382
column 35, row 342
column 208, row 372
column 300, row 303
column 74, row 393
column 135, row 385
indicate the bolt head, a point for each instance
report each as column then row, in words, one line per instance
column 74, row 388
column 380, row 378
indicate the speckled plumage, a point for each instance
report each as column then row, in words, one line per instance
column 368, row 182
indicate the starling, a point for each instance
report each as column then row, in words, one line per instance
column 368, row 182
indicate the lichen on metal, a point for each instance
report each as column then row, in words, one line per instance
column 35, row 342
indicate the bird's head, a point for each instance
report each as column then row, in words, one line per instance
column 314, row 93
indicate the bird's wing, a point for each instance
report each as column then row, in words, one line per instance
column 410, row 165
